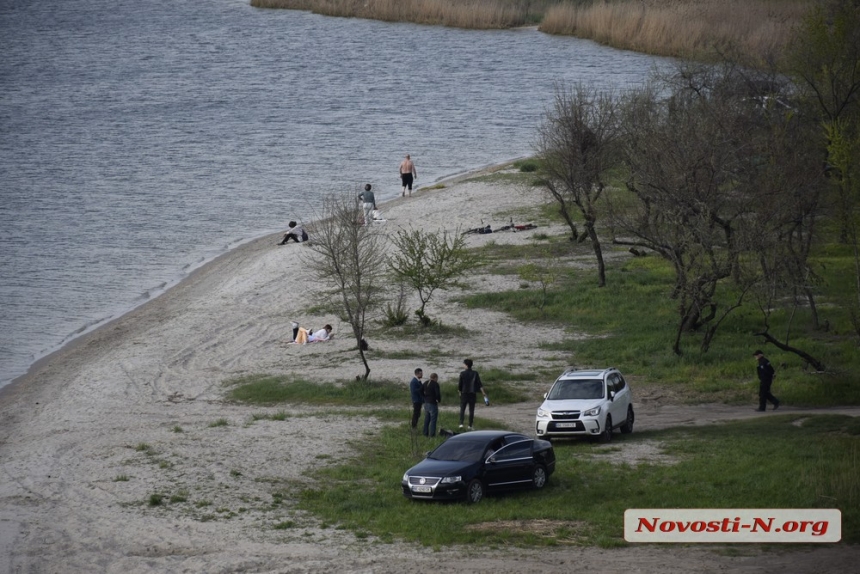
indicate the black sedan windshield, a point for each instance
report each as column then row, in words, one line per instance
column 459, row 450
column 581, row 389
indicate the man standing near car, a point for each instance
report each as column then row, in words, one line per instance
column 766, row 373
column 416, row 389
column 469, row 385
column 432, row 398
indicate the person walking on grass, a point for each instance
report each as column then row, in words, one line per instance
column 416, row 390
column 432, row 398
column 407, row 175
column 468, row 387
column 766, row 373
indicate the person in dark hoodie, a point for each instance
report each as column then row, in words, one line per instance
column 766, row 373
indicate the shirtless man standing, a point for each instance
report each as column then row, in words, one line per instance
column 407, row 174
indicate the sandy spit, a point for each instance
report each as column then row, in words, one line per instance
column 136, row 409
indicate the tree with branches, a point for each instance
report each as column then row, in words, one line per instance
column 725, row 189
column 577, row 147
column 429, row 261
column 349, row 258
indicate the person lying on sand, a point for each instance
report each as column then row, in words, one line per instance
column 304, row 336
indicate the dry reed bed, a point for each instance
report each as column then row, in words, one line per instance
column 697, row 29
column 474, row 14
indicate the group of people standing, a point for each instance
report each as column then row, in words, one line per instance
column 428, row 394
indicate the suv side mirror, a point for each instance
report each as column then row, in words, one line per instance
column 545, row 395
column 611, row 395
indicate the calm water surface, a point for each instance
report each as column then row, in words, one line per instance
column 141, row 138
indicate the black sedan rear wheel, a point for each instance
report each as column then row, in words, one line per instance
column 539, row 476
column 474, row 491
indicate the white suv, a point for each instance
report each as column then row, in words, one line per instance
column 586, row 403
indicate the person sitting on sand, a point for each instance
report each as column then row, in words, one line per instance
column 297, row 233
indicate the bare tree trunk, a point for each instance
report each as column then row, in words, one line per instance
column 598, row 253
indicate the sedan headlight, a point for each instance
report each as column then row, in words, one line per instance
column 451, row 479
column 405, row 477
column 542, row 413
column 592, row 412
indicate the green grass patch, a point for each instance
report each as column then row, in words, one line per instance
column 265, row 389
column 278, row 416
column 630, row 324
column 762, row 463
column 222, row 422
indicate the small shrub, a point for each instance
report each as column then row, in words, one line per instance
column 395, row 316
column 156, row 499
column 121, row 478
column 222, row 422
column 177, row 428
column 285, row 525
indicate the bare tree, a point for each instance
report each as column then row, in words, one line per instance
column 429, row 261
column 727, row 189
column 577, row 146
column 349, row 258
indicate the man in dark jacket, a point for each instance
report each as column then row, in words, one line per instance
column 416, row 390
column 766, row 374
column 432, row 398
column 470, row 384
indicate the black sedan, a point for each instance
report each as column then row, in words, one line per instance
column 467, row 465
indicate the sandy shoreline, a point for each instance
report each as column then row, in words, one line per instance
column 136, row 408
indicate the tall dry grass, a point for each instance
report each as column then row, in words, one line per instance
column 476, row 14
column 696, row 29
column 756, row 30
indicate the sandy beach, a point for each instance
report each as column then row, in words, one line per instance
column 138, row 407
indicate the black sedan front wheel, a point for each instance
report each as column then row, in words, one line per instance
column 539, row 476
column 474, row 491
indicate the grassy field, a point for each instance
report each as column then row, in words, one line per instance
column 780, row 462
column 756, row 30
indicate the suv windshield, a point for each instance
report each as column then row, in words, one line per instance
column 459, row 450
column 576, row 389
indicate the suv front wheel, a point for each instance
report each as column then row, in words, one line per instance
column 606, row 435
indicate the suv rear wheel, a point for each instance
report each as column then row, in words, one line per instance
column 627, row 427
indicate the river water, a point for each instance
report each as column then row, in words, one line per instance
column 142, row 138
